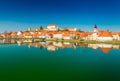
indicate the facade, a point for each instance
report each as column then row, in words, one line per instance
column 58, row 35
column 13, row 35
column 67, row 36
column 72, row 29
column 105, row 36
column 27, row 35
column 49, row 36
column 41, row 36
column 93, row 36
column 85, row 35
column 20, row 34
column 116, row 35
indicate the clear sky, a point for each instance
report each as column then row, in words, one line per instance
column 20, row 14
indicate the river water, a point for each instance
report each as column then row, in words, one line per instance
column 58, row 61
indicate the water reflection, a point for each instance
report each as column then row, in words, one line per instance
column 53, row 46
column 104, row 47
column 9, row 41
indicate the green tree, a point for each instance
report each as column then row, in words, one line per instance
column 41, row 28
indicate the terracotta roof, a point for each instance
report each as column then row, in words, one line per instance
column 49, row 34
column 59, row 33
column 83, row 34
column 106, row 50
column 42, row 34
column 115, row 33
column 35, row 34
column 66, row 34
column 56, row 32
column 119, row 33
column 105, row 34
column 13, row 33
column 76, row 33
column 27, row 34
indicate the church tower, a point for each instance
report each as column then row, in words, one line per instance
column 95, row 28
column 29, row 29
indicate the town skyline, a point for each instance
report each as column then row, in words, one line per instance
column 21, row 14
column 15, row 27
column 54, row 32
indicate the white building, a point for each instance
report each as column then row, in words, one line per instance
column 101, row 35
column 42, row 36
column 58, row 35
column 67, row 36
column 105, row 36
column 94, row 36
column 52, row 27
column 72, row 29
column 116, row 35
column 19, row 33
column 27, row 35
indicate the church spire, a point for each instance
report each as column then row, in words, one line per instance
column 95, row 28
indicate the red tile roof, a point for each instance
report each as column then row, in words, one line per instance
column 27, row 34
column 105, row 34
column 66, row 34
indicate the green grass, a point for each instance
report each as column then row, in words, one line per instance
column 72, row 41
column 86, row 41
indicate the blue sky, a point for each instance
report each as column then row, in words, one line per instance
column 18, row 15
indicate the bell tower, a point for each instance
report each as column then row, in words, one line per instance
column 95, row 28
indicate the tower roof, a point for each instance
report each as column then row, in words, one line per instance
column 95, row 26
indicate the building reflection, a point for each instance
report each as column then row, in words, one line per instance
column 36, row 44
column 116, row 46
column 8, row 41
column 20, row 42
column 53, row 46
column 94, row 46
column 106, row 48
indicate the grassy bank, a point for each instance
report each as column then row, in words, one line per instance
column 71, row 41
column 86, row 41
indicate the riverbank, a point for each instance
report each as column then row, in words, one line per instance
column 60, row 40
column 86, row 41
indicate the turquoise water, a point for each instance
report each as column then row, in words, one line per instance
column 28, row 62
